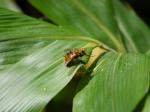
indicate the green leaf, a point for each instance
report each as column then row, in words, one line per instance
column 147, row 105
column 148, row 53
column 9, row 4
column 32, row 82
column 136, row 33
column 119, row 82
column 93, row 19
column 18, row 26
column 20, row 35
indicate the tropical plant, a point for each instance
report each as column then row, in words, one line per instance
column 116, row 77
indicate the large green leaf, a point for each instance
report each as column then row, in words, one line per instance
column 16, row 26
column 136, row 33
column 32, row 82
column 21, row 35
column 119, row 82
column 147, row 105
column 91, row 18
column 29, row 84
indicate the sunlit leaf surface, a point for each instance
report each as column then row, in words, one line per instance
column 119, row 82
column 20, row 35
column 32, row 82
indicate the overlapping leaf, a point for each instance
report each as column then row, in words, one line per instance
column 29, row 84
column 32, row 82
column 20, row 35
column 94, row 19
column 115, row 84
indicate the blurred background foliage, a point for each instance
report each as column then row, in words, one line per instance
column 63, row 101
column 141, row 7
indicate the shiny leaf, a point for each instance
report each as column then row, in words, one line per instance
column 32, row 82
column 21, row 35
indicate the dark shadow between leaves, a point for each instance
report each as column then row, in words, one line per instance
column 87, row 75
column 140, row 105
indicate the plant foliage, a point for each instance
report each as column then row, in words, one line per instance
column 32, row 50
